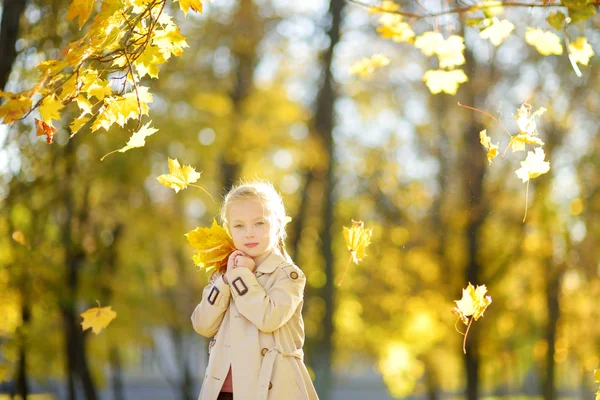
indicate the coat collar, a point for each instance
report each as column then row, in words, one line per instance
column 270, row 263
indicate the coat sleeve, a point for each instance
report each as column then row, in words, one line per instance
column 268, row 311
column 208, row 315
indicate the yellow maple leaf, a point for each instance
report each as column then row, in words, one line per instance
column 18, row 237
column 444, row 81
column 365, row 67
column 169, row 41
column 518, row 142
column 214, row 246
column 178, row 178
column 15, row 106
column 429, row 42
column 491, row 7
column 392, row 27
column 492, row 149
column 525, row 121
column 137, row 139
column 533, row 166
column 50, row 109
column 357, row 239
column 97, row 318
column 581, row 51
column 546, row 43
column 78, row 123
column 472, row 304
column 497, row 31
column 80, row 9
column 195, row 5
column 449, row 51
column 386, row 6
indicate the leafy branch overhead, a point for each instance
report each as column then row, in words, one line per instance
column 397, row 24
column 101, row 71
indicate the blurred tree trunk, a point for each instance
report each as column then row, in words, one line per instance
column 473, row 173
column 74, row 218
column 245, row 41
column 22, row 385
column 324, row 123
column 117, row 376
column 12, row 10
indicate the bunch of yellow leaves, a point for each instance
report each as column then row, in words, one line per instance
column 97, row 318
column 471, row 306
column 214, row 246
column 357, row 239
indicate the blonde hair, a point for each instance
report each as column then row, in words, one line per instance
column 272, row 203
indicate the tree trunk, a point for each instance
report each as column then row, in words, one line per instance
column 12, row 11
column 22, row 385
column 117, row 376
column 74, row 257
column 552, row 303
column 246, row 17
column 324, row 123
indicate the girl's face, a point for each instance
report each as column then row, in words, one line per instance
column 250, row 228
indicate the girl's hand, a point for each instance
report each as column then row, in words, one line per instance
column 231, row 263
column 246, row 262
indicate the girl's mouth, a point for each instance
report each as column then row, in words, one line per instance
column 251, row 245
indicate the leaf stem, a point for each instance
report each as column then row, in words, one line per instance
column 466, row 333
column 205, row 191
column 488, row 114
column 526, row 199
column 345, row 270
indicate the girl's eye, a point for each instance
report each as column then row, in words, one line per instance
column 260, row 223
column 239, row 226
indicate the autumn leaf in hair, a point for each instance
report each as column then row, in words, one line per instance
column 214, row 246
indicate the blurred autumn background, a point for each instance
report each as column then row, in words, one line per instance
column 264, row 90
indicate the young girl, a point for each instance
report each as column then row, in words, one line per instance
column 253, row 312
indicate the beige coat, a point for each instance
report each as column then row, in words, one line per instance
column 257, row 326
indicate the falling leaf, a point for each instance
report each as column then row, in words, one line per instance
column 492, row 149
column 533, row 166
column 518, row 142
column 527, row 122
column 444, row 81
column 50, row 109
column 581, row 51
column 97, row 318
column 472, row 304
column 546, row 43
column 497, row 31
column 178, row 178
column 195, row 5
column 42, row 128
column 365, row 67
column 357, row 239
column 214, row 246
column 138, row 139
column 19, row 238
